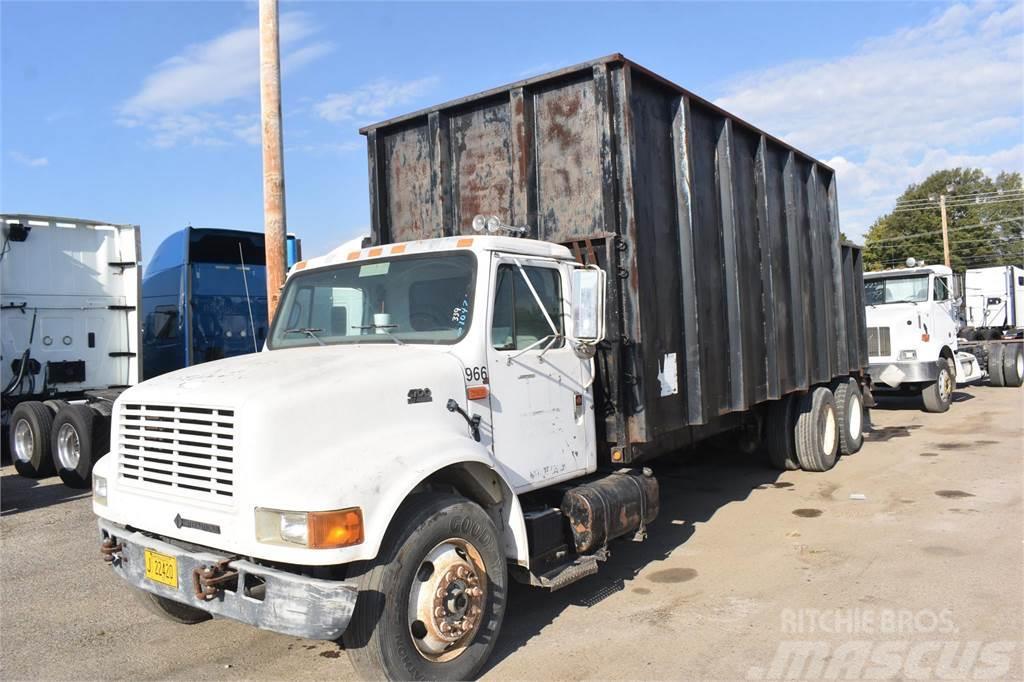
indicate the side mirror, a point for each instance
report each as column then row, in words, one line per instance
column 588, row 297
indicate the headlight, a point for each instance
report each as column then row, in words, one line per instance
column 908, row 355
column 316, row 530
column 99, row 489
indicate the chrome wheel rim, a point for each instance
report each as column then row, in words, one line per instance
column 828, row 437
column 856, row 415
column 945, row 389
column 69, row 447
column 24, row 441
column 1020, row 363
column 447, row 600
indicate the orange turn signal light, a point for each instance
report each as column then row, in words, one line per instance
column 477, row 392
column 925, row 337
column 333, row 529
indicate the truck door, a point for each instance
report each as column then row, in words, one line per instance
column 542, row 425
column 946, row 320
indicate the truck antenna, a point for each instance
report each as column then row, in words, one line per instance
column 248, row 301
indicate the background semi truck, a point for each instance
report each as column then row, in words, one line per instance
column 204, row 297
column 993, row 302
column 568, row 277
column 73, row 338
column 69, row 296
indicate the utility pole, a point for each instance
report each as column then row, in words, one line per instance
column 273, row 161
column 945, row 230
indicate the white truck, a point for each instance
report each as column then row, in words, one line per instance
column 912, row 332
column 469, row 399
column 993, row 302
column 69, row 338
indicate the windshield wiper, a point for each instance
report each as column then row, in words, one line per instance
column 308, row 331
column 384, row 328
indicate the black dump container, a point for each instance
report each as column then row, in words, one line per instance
column 729, row 286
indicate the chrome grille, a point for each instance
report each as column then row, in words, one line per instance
column 178, row 449
column 878, row 342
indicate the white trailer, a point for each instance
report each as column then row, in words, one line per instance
column 993, row 302
column 69, row 338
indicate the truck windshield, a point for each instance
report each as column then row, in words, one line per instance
column 410, row 299
column 906, row 289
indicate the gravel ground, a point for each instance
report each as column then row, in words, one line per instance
column 905, row 561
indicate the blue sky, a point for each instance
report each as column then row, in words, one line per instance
column 147, row 112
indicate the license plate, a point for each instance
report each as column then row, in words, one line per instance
column 161, row 568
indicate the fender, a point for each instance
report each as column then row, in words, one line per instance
column 435, row 452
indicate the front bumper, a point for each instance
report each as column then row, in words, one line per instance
column 291, row 604
column 893, row 374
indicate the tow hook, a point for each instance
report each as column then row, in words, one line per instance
column 110, row 548
column 208, row 581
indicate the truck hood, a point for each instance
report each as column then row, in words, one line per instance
column 295, row 373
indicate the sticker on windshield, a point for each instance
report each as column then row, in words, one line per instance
column 373, row 269
column 460, row 313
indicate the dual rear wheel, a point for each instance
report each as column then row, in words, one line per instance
column 810, row 430
column 55, row 437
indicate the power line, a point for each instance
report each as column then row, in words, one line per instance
column 987, row 202
column 874, row 242
column 958, row 197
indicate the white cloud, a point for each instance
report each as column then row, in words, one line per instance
column 946, row 93
column 372, row 101
column 181, row 100
column 30, row 161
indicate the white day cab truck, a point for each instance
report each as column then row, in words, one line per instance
column 69, row 338
column 474, row 398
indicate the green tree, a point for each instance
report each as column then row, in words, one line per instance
column 985, row 217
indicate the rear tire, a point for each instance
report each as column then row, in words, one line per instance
column 78, row 440
column 779, row 434
column 938, row 396
column 386, row 638
column 55, row 405
column 850, row 413
column 995, row 364
column 1013, row 365
column 817, row 430
column 168, row 609
column 30, row 427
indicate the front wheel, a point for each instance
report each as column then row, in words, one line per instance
column 938, row 396
column 431, row 605
column 168, row 609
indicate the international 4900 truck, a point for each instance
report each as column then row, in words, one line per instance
column 568, row 277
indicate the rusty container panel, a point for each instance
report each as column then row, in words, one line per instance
column 721, row 241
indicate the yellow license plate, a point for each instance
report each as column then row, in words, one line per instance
column 161, row 568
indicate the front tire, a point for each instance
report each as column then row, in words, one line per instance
column 79, row 439
column 938, row 396
column 850, row 412
column 168, row 609
column 401, row 629
column 817, row 430
column 30, row 428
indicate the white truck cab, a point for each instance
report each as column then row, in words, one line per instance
column 379, row 375
column 912, row 331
